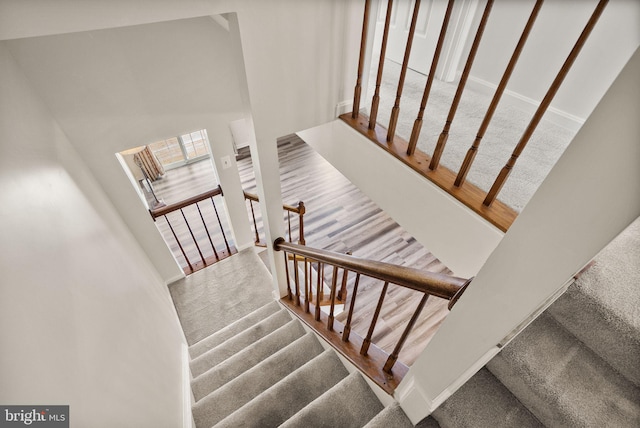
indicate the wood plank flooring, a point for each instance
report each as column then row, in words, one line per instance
column 339, row 218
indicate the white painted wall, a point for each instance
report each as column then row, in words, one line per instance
column 115, row 89
column 86, row 319
column 576, row 211
column 560, row 22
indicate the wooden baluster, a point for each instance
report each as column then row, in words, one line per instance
column 207, row 230
column 442, row 141
column 286, row 269
column 395, row 111
column 347, row 327
column 178, row 242
column 307, row 286
column 376, row 95
column 319, row 289
column 546, row 101
column 367, row 341
column 301, row 210
column 296, row 277
column 342, row 295
column 195, row 241
column 226, row 243
column 332, row 297
column 255, row 224
column 417, row 125
column 471, row 153
column 289, row 225
column 363, row 45
column 394, row 355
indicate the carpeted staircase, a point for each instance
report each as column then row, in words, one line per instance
column 577, row 365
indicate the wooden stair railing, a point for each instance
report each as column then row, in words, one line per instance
column 381, row 367
column 483, row 202
column 300, row 210
column 197, row 240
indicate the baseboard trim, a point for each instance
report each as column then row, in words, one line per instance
column 344, row 107
column 554, row 115
column 187, row 415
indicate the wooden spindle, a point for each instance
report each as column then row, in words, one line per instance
column 178, row 242
column 417, row 125
column 442, row 140
column 286, row 269
column 289, row 225
column 395, row 111
column 471, row 153
column 255, row 224
column 396, row 351
column 544, row 105
column 347, row 327
column 301, row 210
column 204, row 223
column 367, row 341
column 332, row 297
column 363, row 45
column 296, row 279
column 383, row 49
column 195, row 241
column 226, row 243
column 306, row 286
column 342, row 295
column 319, row 289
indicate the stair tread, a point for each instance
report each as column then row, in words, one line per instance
column 278, row 403
column 602, row 308
column 484, row 401
column 237, row 343
column 234, row 394
column 392, row 416
column 562, row 382
column 348, row 404
column 232, row 329
column 239, row 363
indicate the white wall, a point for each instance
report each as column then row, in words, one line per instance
column 86, row 320
column 589, row 197
column 559, row 23
column 115, row 89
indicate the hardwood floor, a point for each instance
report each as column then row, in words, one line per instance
column 339, row 218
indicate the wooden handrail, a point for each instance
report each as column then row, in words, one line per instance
column 299, row 209
column 158, row 212
column 436, row 284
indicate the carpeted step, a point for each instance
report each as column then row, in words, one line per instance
column 234, row 394
column 601, row 308
column 232, row 329
column 239, row 363
column 238, row 342
column 390, row 416
column 484, row 402
column 278, row 403
column 348, row 404
column 562, row 382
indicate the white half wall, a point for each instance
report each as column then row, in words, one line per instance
column 452, row 232
column 589, row 197
column 86, row 319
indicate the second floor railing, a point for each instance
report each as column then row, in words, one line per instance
column 381, row 367
column 198, row 231
column 289, row 210
column 482, row 202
